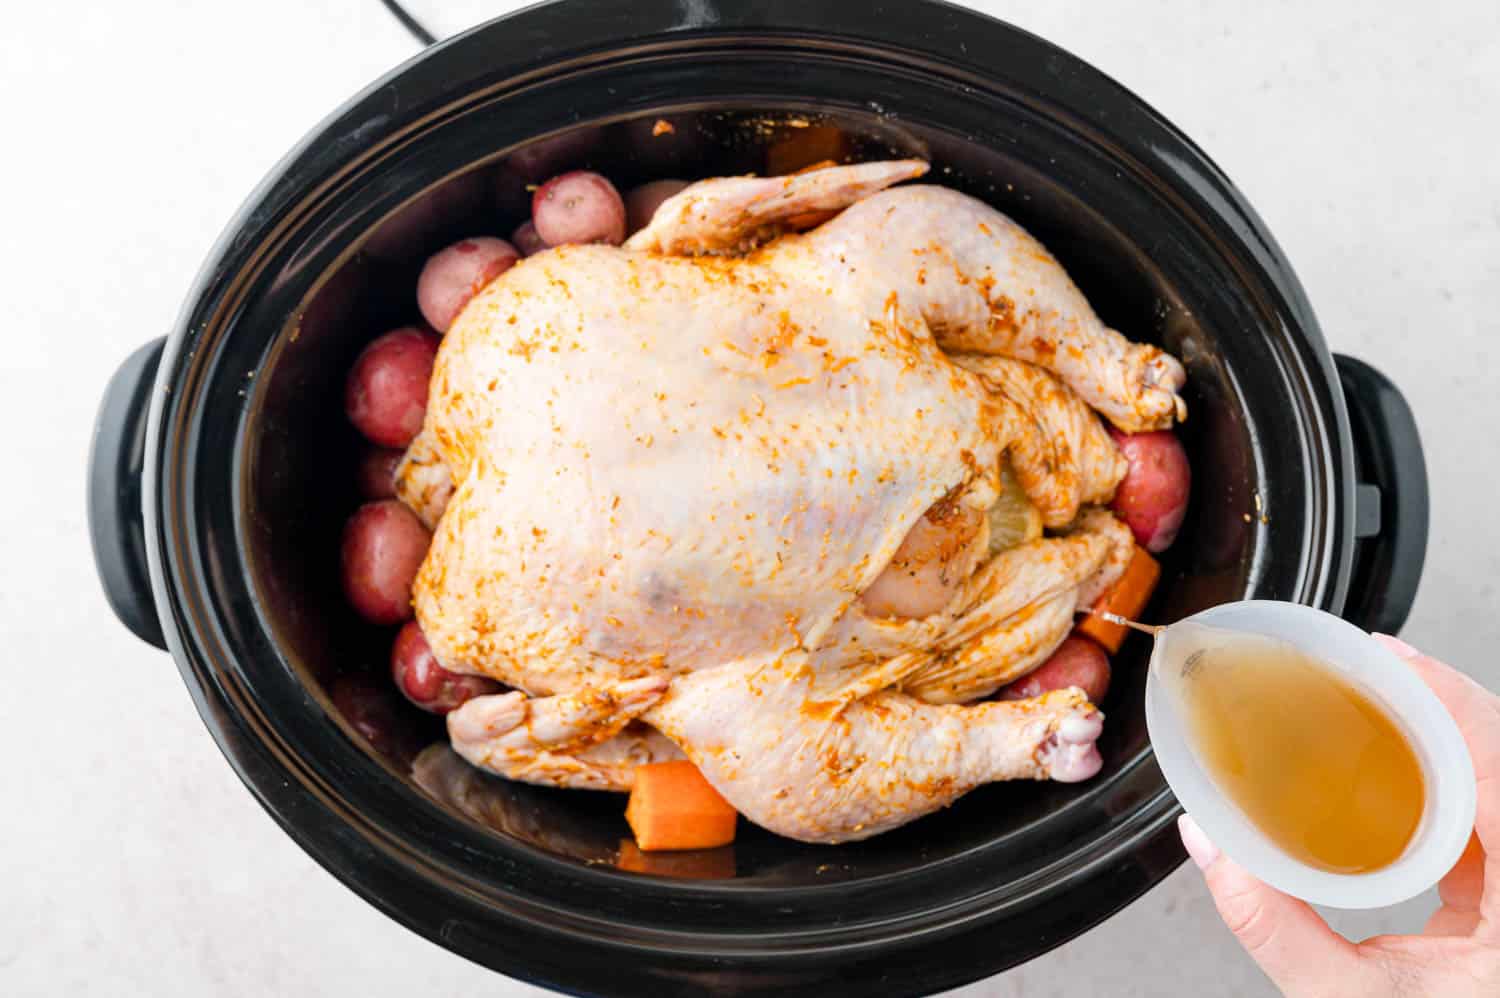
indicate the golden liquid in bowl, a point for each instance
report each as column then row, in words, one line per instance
column 1321, row 769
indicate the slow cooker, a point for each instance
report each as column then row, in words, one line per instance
column 222, row 470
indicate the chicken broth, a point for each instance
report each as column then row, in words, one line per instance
column 1313, row 762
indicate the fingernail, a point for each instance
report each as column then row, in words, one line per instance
column 1202, row 851
column 1395, row 644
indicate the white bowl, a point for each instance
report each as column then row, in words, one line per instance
column 1448, row 816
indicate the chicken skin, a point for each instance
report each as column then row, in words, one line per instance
column 723, row 493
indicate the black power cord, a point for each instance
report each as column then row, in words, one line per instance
column 411, row 24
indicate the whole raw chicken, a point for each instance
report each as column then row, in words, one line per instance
column 723, row 492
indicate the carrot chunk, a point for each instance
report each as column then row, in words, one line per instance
column 673, row 807
column 1127, row 598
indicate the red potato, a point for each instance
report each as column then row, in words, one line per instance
column 526, row 240
column 453, row 276
column 641, row 203
column 376, row 475
column 386, row 394
column 578, row 207
column 1153, row 498
column 383, row 546
column 1076, row 662
column 427, row 684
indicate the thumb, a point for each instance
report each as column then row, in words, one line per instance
column 1284, row 936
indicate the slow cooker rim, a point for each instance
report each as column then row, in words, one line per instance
column 215, row 287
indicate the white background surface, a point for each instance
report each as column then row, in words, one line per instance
column 133, row 862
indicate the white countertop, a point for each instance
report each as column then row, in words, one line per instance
column 134, row 862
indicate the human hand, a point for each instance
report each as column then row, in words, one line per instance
column 1457, row 954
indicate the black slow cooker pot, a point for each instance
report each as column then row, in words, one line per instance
column 222, row 471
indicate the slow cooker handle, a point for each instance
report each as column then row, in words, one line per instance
column 1391, row 500
column 117, row 524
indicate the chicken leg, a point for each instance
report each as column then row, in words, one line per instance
column 876, row 763
column 984, row 285
column 981, row 282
